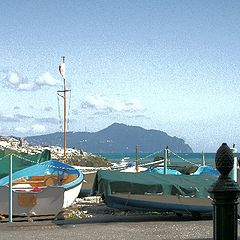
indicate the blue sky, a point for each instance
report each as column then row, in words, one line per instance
column 167, row 65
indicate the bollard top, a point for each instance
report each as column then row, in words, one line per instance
column 225, row 190
column 224, row 160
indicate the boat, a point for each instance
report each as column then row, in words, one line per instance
column 182, row 189
column 186, row 170
column 149, row 191
column 123, row 164
column 42, row 189
column 39, row 185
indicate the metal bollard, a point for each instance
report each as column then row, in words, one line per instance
column 224, row 192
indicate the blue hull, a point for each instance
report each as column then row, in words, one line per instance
column 47, row 168
column 131, row 204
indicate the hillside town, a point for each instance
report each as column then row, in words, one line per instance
column 74, row 156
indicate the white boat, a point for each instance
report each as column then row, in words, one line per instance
column 42, row 189
column 124, row 163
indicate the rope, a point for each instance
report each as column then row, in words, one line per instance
column 69, row 111
column 146, row 164
column 23, row 158
column 60, row 168
column 55, row 167
column 184, row 159
column 150, row 155
column 42, row 163
column 59, row 115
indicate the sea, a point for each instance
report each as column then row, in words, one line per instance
column 184, row 159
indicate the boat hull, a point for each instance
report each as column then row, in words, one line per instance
column 87, row 184
column 70, row 195
column 47, row 202
column 160, row 203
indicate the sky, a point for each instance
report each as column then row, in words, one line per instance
column 169, row 65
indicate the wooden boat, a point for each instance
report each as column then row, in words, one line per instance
column 42, row 189
column 155, row 192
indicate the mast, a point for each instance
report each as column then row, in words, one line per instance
column 64, row 96
column 203, row 159
column 136, row 166
column 64, row 116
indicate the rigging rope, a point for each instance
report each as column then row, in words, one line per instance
column 37, row 162
column 184, row 159
column 150, row 155
column 59, row 115
column 69, row 111
column 23, row 158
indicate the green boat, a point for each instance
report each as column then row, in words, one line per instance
column 155, row 192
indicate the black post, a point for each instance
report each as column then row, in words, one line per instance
column 224, row 192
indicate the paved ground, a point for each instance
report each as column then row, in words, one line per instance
column 109, row 227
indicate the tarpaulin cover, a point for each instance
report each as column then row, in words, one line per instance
column 20, row 162
column 108, row 182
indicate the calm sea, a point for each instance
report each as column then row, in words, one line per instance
column 179, row 158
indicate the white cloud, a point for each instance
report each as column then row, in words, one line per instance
column 38, row 128
column 46, row 80
column 104, row 103
column 26, row 86
column 21, row 129
column 8, row 118
column 12, row 79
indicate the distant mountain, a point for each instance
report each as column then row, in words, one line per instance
column 115, row 138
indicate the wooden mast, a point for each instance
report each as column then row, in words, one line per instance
column 64, row 96
column 64, row 116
